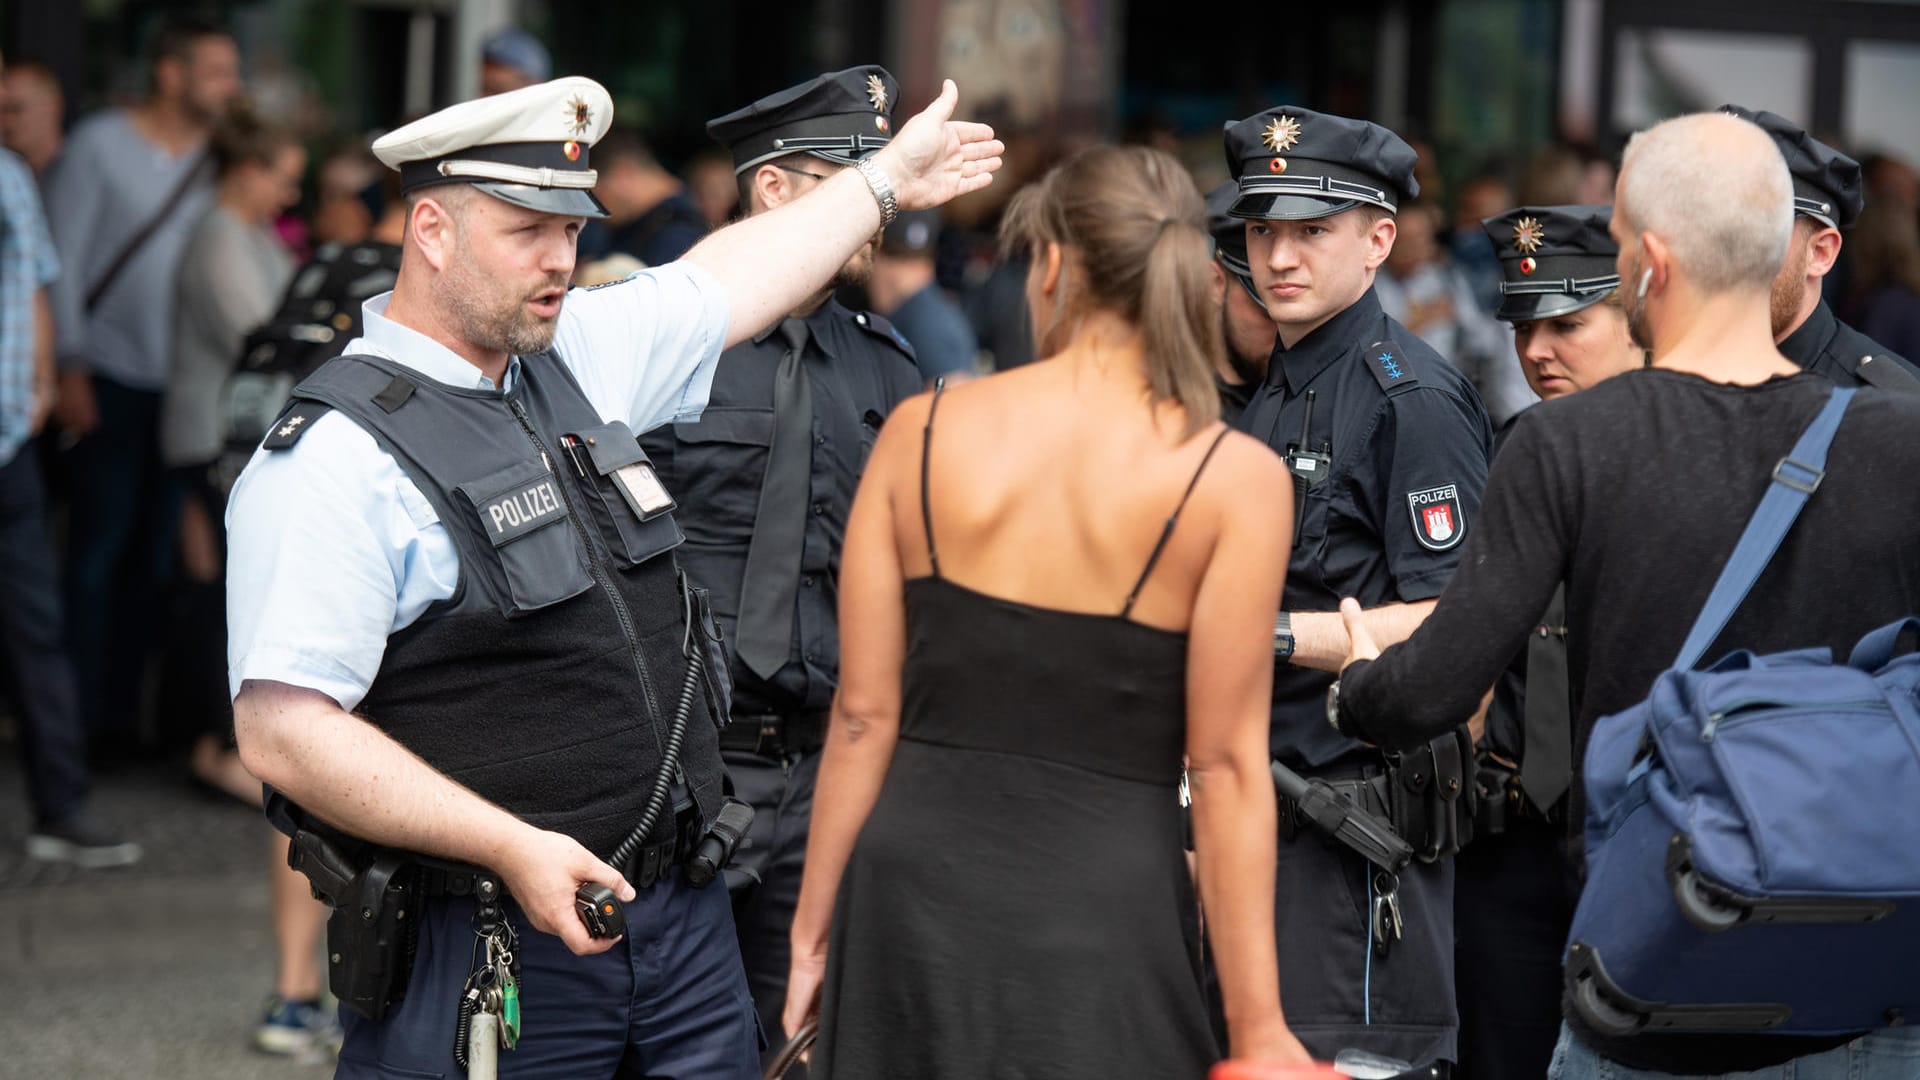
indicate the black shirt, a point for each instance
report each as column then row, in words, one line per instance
column 1233, row 398
column 858, row 369
column 1825, row 345
column 1634, row 492
column 1407, row 435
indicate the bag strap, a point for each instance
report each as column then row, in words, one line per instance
column 1878, row 649
column 139, row 240
column 1794, row 479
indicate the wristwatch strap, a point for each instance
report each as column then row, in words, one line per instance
column 882, row 189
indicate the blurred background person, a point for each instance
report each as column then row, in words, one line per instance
column 32, row 114
column 231, row 276
column 1420, row 286
column 511, row 58
column 122, row 202
column 652, row 217
column 33, row 650
column 1245, row 327
column 1480, row 198
column 710, row 183
column 1886, row 276
column 903, row 288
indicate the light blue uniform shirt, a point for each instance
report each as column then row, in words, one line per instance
column 331, row 548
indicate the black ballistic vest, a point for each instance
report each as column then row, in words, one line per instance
column 547, row 681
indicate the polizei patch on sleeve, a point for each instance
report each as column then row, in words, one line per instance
column 1437, row 520
column 518, row 513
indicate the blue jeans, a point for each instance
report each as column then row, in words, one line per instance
column 1888, row 1054
column 33, row 640
column 670, row 1001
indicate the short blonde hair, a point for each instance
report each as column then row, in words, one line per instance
column 1716, row 190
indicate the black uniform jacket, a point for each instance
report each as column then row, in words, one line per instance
column 1383, row 521
column 857, row 369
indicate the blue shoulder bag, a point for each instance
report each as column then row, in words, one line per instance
column 1753, row 829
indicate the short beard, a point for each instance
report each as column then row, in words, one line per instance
column 1247, row 370
column 1634, row 306
column 487, row 320
column 858, row 268
column 1789, row 290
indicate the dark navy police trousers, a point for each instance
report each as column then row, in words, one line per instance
column 669, row 1002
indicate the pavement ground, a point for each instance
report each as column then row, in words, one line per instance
column 155, row 970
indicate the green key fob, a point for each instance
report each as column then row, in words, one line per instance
column 510, row 1013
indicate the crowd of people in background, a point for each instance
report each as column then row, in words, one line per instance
column 158, row 251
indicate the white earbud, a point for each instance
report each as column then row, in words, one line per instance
column 1646, row 279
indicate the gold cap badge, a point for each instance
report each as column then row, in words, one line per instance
column 1528, row 235
column 1282, row 134
column 877, row 93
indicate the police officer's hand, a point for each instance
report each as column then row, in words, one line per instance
column 543, row 871
column 1360, row 643
column 935, row 157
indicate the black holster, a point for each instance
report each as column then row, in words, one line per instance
column 1431, row 796
column 374, row 928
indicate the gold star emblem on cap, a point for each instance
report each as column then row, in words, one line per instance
column 877, row 93
column 579, row 115
column 1528, row 235
column 1281, row 134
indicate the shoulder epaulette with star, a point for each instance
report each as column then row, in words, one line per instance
column 1390, row 368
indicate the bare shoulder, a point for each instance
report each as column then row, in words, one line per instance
column 1250, row 463
column 1247, row 484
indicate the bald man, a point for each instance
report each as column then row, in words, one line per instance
column 1703, row 215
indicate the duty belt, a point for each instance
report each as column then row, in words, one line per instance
column 775, row 735
column 439, row 877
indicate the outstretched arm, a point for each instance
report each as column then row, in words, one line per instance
column 770, row 263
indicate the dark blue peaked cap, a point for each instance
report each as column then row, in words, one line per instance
column 1554, row 260
column 1295, row 164
column 841, row 117
column 1827, row 185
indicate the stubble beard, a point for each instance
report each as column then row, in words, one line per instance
column 1789, row 291
column 490, row 319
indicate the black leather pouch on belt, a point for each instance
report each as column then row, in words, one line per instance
column 374, row 927
column 1492, row 783
column 371, row 937
column 1431, row 797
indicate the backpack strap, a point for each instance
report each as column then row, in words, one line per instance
column 1794, row 479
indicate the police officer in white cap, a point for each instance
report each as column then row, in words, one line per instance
column 460, row 651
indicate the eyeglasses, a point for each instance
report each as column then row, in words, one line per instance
column 800, row 172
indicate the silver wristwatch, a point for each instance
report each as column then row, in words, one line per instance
column 882, row 189
column 1333, row 705
column 1283, row 636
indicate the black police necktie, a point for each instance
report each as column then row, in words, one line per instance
column 771, row 588
column 1546, row 763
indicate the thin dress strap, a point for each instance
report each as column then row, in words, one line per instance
column 926, row 458
column 1167, row 531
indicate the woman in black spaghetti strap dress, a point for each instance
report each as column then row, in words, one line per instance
column 1046, row 603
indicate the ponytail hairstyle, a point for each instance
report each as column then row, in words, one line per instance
column 242, row 136
column 1131, row 223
